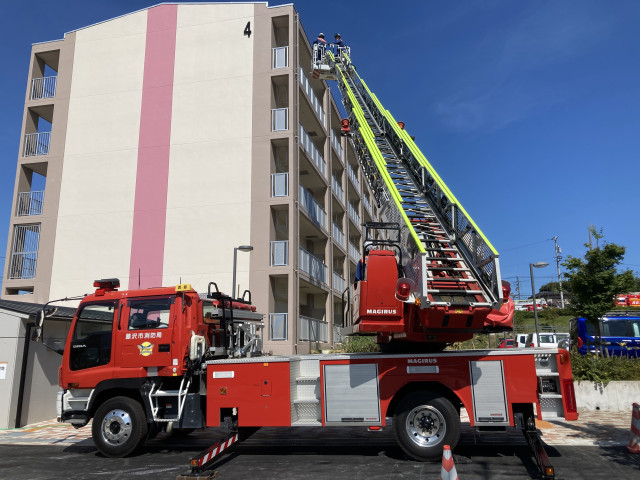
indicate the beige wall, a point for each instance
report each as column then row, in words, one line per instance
column 209, row 193
column 11, row 344
column 93, row 237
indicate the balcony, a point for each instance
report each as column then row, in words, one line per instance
column 337, row 188
column 353, row 213
column 311, row 96
column 280, row 57
column 312, row 266
column 278, row 326
column 313, row 330
column 338, row 235
column 280, row 184
column 339, row 283
column 44, row 87
column 279, row 253
column 335, row 141
column 24, row 253
column 279, row 119
column 313, row 208
column 36, row 144
column 29, row 204
column 311, row 151
column 367, row 205
column 354, row 252
column 353, row 176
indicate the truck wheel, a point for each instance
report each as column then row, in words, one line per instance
column 119, row 427
column 424, row 423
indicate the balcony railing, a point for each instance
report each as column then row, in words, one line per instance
column 278, row 326
column 353, row 176
column 29, row 203
column 354, row 252
column 280, row 184
column 335, row 141
column 279, row 253
column 313, row 208
column 338, row 235
column 279, row 119
column 44, row 87
column 337, row 188
column 353, row 213
column 24, row 252
column 339, row 283
column 311, row 150
column 312, row 266
column 280, row 57
column 36, row 144
column 311, row 96
column 313, row 330
column 367, row 205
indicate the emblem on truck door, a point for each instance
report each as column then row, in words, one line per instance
column 146, row 349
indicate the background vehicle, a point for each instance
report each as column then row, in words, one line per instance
column 547, row 340
column 507, row 343
column 521, row 340
column 619, row 330
column 629, row 300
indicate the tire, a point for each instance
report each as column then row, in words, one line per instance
column 424, row 423
column 119, row 427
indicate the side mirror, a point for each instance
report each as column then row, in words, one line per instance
column 40, row 319
column 36, row 333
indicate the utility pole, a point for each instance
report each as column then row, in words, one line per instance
column 558, row 258
column 518, row 286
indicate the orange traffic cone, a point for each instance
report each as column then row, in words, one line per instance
column 448, row 471
column 634, row 438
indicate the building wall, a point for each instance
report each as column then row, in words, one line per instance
column 11, row 345
column 95, row 217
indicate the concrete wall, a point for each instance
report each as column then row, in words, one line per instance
column 11, row 344
column 614, row 396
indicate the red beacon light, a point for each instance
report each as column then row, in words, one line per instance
column 506, row 291
column 106, row 285
column 344, row 126
column 404, row 287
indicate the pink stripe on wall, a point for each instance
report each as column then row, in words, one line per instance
column 152, row 179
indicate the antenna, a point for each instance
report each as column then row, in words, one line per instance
column 138, row 278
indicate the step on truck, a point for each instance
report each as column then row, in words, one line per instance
column 141, row 361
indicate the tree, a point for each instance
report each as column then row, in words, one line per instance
column 594, row 281
column 554, row 287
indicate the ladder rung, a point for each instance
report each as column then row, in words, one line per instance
column 446, row 291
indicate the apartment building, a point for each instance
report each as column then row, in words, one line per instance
column 188, row 143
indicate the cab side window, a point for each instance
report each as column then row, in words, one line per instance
column 91, row 341
column 150, row 314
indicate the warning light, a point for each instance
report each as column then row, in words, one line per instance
column 404, row 287
column 183, row 287
column 344, row 126
column 106, row 285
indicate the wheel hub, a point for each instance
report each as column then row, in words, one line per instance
column 116, row 427
column 426, row 426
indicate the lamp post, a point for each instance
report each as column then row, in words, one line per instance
column 242, row 248
column 533, row 291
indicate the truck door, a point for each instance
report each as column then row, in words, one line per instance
column 90, row 353
column 145, row 334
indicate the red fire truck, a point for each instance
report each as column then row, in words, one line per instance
column 141, row 361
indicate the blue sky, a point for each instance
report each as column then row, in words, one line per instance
column 529, row 110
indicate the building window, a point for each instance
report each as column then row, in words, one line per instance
column 24, row 253
column 278, row 326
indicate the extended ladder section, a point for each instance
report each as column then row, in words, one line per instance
column 450, row 260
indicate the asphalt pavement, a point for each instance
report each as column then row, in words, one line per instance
column 592, row 447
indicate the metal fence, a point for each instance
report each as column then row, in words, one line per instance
column 24, row 252
column 313, row 330
column 353, row 213
column 311, row 96
column 353, row 176
column 354, row 252
column 313, row 208
column 44, row 87
column 339, row 283
column 30, row 203
column 335, row 141
column 338, row 235
column 313, row 266
column 36, row 144
column 337, row 188
column 312, row 152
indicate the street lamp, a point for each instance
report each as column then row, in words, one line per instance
column 242, row 248
column 533, row 291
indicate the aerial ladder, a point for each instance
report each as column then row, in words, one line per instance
column 448, row 285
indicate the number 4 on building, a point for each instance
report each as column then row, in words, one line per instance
column 247, row 30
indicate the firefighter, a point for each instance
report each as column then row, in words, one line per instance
column 318, row 53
